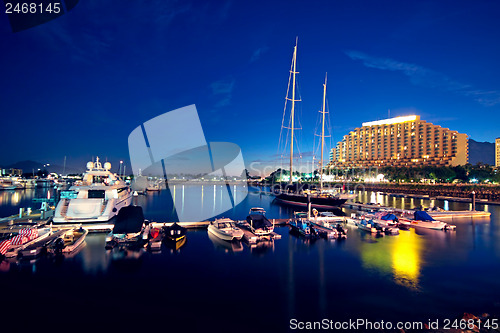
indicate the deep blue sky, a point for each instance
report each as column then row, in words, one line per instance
column 78, row 85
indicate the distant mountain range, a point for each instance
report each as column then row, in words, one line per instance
column 483, row 152
column 30, row 166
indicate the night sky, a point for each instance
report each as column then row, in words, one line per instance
column 78, row 85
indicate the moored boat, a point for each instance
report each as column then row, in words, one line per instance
column 39, row 247
column 25, row 238
column 423, row 220
column 369, row 226
column 330, row 222
column 317, row 201
column 130, row 229
column 96, row 199
column 225, row 229
column 258, row 222
column 291, row 194
column 174, row 236
column 300, row 224
column 69, row 241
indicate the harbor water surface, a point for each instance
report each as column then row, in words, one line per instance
column 211, row 285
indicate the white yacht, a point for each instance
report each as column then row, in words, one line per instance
column 98, row 197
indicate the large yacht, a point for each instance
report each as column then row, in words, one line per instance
column 98, row 197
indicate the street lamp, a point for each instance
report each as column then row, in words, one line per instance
column 473, row 200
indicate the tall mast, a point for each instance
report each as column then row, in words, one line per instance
column 293, row 109
column 323, row 135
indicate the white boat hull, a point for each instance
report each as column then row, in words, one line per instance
column 224, row 235
column 110, row 211
column 424, row 224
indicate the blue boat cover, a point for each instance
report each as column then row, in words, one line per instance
column 389, row 217
column 420, row 215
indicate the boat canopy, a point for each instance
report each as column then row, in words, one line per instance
column 129, row 220
column 258, row 221
column 421, row 215
column 389, row 217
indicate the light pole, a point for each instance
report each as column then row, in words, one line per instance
column 473, row 200
column 120, row 171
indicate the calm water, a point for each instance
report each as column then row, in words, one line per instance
column 211, row 285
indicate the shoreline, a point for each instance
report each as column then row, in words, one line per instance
column 484, row 194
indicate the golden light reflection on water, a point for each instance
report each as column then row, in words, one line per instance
column 16, row 198
column 400, row 256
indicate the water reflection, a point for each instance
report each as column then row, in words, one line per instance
column 124, row 259
column 225, row 246
column 313, row 275
column 94, row 259
column 262, row 247
column 399, row 255
column 12, row 200
column 322, row 280
column 172, row 246
column 4, row 266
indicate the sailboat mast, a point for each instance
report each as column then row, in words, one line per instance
column 323, row 135
column 293, row 110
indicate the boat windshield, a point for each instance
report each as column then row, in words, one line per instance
column 257, row 210
column 100, row 180
column 224, row 225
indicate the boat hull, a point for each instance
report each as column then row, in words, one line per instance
column 316, row 202
column 425, row 224
column 104, row 218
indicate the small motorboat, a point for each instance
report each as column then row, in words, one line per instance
column 330, row 222
column 422, row 219
column 155, row 239
column 25, row 238
column 386, row 221
column 300, row 224
column 174, row 236
column 258, row 222
column 329, row 217
column 69, row 241
column 225, row 229
column 130, row 229
column 39, row 247
column 368, row 226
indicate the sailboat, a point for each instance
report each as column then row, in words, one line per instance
column 318, row 200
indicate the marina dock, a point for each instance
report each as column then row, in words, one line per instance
column 434, row 214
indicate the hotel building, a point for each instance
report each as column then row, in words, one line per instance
column 497, row 152
column 401, row 141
